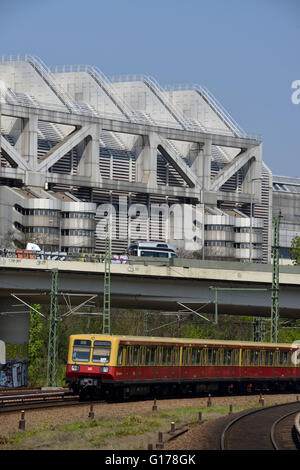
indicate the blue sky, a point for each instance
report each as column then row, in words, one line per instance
column 246, row 52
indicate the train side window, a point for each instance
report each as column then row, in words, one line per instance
column 175, row 356
column 283, row 358
column 147, row 355
column 256, row 358
column 184, row 356
column 193, row 356
column 198, row 357
column 130, row 355
column 227, row 357
column 120, row 356
column 135, row 355
column 165, row 356
column 221, row 357
column 128, row 350
column 187, row 356
column 269, row 358
column 203, row 356
column 211, row 357
column 208, row 357
column 236, row 357
column 214, row 357
column 152, row 355
column 251, row 358
column 141, row 356
column 246, row 357
column 170, row 356
column 158, row 356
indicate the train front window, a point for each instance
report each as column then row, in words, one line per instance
column 101, row 352
column 81, row 350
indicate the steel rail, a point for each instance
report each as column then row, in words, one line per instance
column 249, row 413
column 272, row 434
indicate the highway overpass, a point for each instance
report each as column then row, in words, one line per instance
column 143, row 285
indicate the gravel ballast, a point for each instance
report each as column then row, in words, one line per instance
column 201, row 437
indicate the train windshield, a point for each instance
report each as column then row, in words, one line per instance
column 81, row 350
column 101, row 351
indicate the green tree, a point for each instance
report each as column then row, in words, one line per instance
column 295, row 250
column 37, row 349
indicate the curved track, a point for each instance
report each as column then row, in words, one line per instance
column 268, row 428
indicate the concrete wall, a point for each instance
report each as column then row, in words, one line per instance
column 14, row 331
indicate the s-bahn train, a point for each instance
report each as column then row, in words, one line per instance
column 125, row 366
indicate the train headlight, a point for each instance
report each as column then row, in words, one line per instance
column 104, row 369
column 75, row 368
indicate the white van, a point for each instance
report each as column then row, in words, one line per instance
column 153, row 249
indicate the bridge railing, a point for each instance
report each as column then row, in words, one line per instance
column 141, row 260
column 82, row 257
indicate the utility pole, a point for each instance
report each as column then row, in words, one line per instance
column 106, row 292
column 275, row 284
column 52, row 342
column 216, row 289
column 54, row 318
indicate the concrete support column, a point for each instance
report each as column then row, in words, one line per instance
column 252, row 183
column 202, row 164
column 89, row 150
column 14, row 331
column 27, row 143
column 146, row 164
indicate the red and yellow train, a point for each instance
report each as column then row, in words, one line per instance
column 124, row 366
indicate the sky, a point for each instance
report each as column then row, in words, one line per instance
column 246, row 52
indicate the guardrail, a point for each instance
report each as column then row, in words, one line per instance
column 82, row 257
column 145, row 261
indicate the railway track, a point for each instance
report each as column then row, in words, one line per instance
column 270, row 428
column 37, row 399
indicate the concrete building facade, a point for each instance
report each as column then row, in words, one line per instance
column 77, row 148
column 160, row 164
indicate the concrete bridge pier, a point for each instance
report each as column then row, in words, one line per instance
column 14, row 331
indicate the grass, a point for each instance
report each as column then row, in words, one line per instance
column 128, row 433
